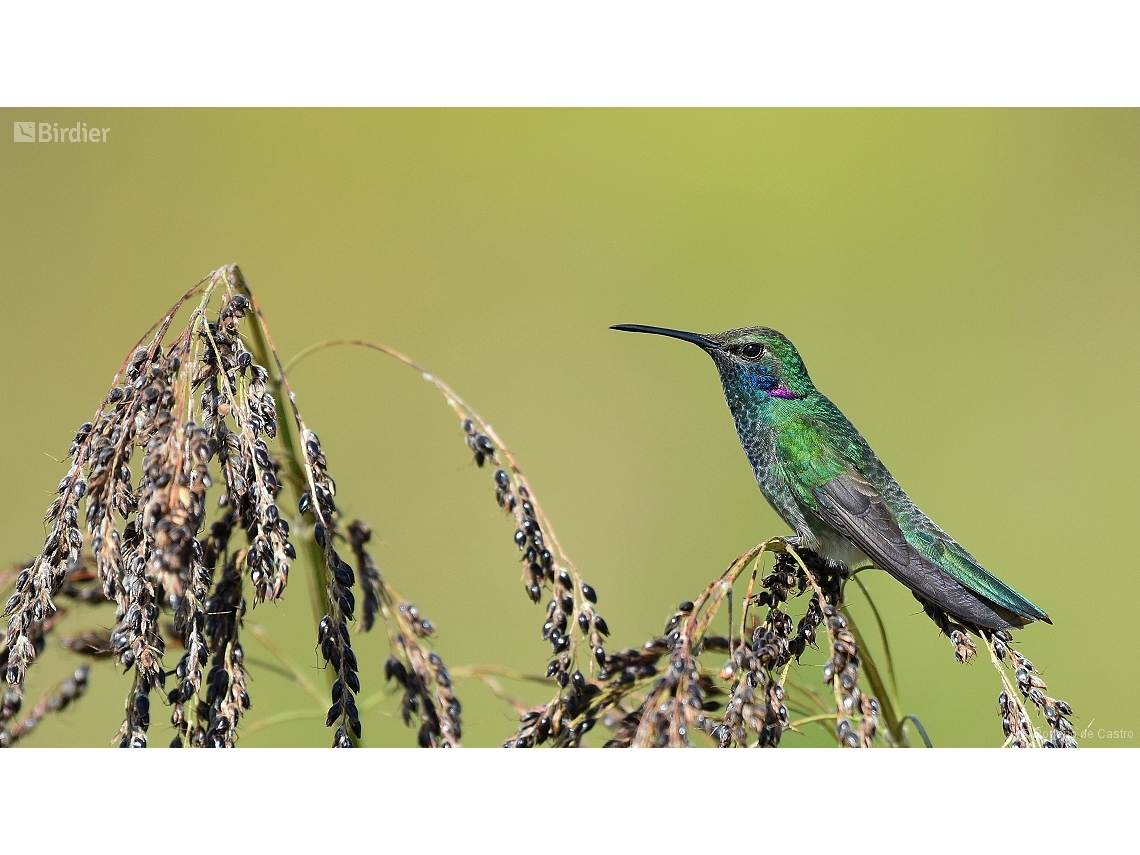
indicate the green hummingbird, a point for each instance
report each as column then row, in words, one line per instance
column 821, row 477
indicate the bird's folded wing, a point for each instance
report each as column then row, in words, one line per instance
column 855, row 508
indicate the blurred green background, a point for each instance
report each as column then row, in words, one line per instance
column 962, row 283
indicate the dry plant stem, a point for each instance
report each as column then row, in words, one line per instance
column 843, row 669
column 486, row 674
column 12, row 700
column 1016, row 722
column 275, row 649
column 748, row 603
column 317, row 501
column 1022, row 726
column 535, row 537
column 427, row 683
column 893, row 697
column 674, row 707
column 887, row 695
column 837, row 689
column 58, row 698
column 296, row 469
column 299, row 473
column 894, row 733
column 270, row 573
column 428, row 693
column 463, row 410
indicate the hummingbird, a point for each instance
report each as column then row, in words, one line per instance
column 822, row 478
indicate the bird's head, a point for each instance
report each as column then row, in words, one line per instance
column 754, row 362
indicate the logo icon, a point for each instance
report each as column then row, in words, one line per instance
column 24, row 131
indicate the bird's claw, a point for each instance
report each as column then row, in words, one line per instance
column 781, row 544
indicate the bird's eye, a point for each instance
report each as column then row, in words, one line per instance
column 752, row 350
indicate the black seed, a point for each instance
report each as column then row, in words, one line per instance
column 347, row 603
column 394, row 668
column 589, row 593
column 343, row 574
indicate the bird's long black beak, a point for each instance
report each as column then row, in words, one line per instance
column 701, row 341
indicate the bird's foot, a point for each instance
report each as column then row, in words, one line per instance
column 781, row 544
column 811, row 559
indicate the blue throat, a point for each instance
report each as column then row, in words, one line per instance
column 761, row 381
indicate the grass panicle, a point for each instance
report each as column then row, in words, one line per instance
column 55, row 700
